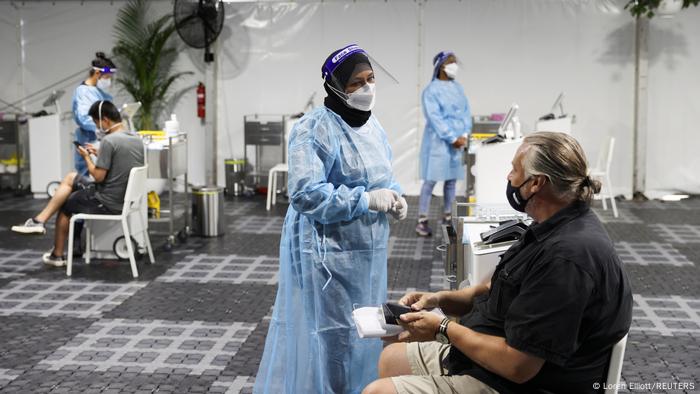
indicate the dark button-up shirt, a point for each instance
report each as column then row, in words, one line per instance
column 560, row 293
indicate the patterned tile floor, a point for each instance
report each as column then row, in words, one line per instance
column 196, row 320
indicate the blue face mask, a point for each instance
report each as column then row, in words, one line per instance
column 515, row 199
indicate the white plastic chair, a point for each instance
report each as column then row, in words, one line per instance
column 272, row 182
column 612, row 381
column 133, row 198
column 278, row 168
column 602, row 172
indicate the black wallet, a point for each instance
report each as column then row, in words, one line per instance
column 392, row 311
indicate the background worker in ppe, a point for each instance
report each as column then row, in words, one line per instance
column 93, row 89
column 333, row 251
column 447, row 127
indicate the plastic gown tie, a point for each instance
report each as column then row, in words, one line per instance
column 323, row 258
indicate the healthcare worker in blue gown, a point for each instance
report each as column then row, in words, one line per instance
column 333, row 251
column 93, row 89
column 447, row 127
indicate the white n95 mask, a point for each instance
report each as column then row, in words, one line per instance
column 451, row 70
column 104, row 83
column 363, row 98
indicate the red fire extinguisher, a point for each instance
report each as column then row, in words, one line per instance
column 201, row 100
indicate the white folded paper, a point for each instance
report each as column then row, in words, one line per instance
column 369, row 321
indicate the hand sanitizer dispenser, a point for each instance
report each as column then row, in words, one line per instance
column 172, row 126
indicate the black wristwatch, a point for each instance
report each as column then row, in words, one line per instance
column 441, row 335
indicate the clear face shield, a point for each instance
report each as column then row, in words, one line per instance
column 104, row 82
column 352, row 73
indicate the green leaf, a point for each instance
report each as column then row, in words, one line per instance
column 145, row 54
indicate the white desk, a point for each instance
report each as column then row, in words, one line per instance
column 480, row 260
column 50, row 153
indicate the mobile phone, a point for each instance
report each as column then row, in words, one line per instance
column 76, row 143
column 392, row 311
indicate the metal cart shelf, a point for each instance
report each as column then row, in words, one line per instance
column 264, row 136
column 14, row 154
column 169, row 160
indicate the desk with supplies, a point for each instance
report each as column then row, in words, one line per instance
column 468, row 260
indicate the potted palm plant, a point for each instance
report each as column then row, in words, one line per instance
column 146, row 54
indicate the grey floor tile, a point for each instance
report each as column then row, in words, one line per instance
column 26, row 340
column 213, row 302
column 197, row 321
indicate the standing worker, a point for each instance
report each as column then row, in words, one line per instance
column 448, row 124
column 333, row 251
column 92, row 90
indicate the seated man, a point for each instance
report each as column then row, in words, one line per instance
column 119, row 152
column 556, row 304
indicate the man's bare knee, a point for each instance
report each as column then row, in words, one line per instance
column 393, row 361
column 70, row 178
column 381, row 386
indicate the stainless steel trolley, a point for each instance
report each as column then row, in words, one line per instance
column 170, row 162
column 14, row 154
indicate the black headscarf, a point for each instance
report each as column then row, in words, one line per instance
column 353, row 64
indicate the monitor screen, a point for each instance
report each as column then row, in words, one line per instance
column 512, row 111
column 558, row 104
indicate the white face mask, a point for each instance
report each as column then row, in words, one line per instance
column 451, row 70
column 104, row 83
column 101, row 133
column 363, row 98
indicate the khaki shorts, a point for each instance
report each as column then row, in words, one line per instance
column 429, row 377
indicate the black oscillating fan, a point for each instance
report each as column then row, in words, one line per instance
column 199, row 23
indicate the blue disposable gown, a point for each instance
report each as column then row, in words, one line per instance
column 448, row 117
column 331, row 239
column 83, row 98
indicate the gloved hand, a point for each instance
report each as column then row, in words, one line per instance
column 382, row 200
column 400, row 209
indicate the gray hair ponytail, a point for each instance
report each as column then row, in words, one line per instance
column 560, row 158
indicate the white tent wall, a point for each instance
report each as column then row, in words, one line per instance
column 512, row 51
column 275, row 55
column 674, row 104
column 270, row 54
column 528, row 52
column 52, row 48
column 10, row 69
column 60, row 39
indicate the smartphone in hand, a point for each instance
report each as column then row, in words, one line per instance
column 392, row 311
column 77, row 144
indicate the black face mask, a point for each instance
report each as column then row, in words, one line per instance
column 515, row 199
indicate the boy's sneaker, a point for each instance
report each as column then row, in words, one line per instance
column 50, row 259
column 422, row 229
column 447, row 219
column 31, row 226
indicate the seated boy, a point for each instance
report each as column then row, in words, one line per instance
column 119, row 152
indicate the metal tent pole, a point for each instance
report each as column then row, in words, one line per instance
column 641, row 83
